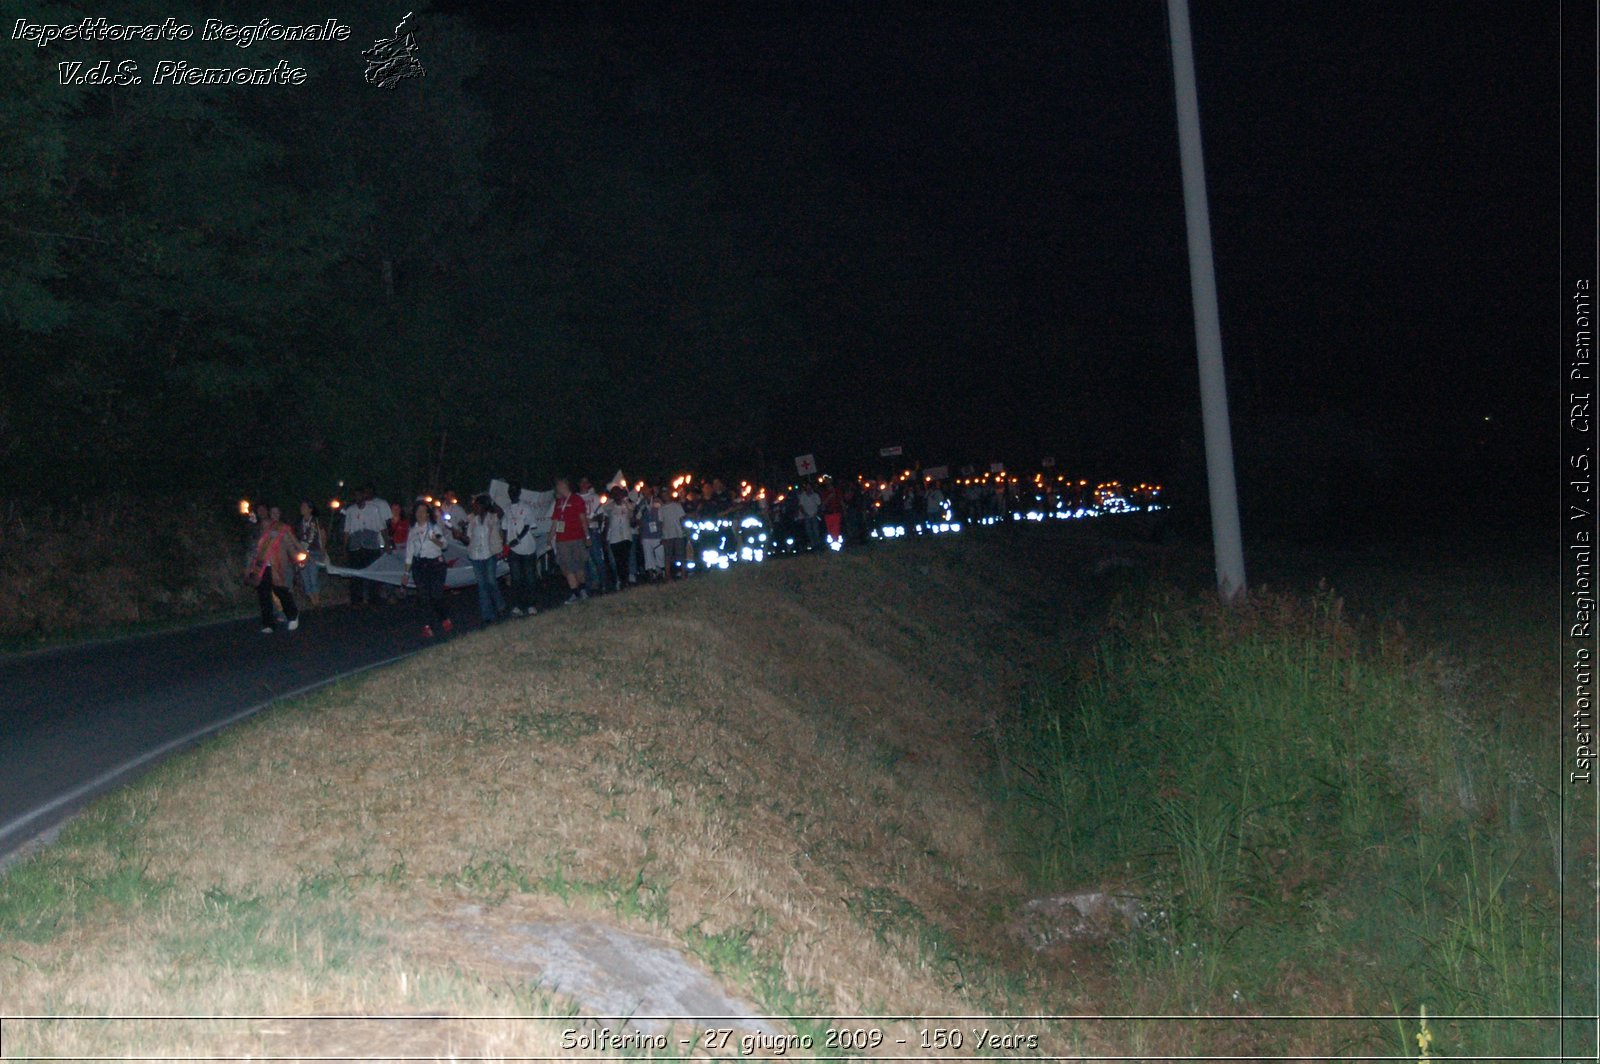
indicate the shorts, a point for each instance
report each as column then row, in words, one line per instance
column 572, row 555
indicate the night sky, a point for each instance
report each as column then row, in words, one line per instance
column 1382, row 181
column 744, row 232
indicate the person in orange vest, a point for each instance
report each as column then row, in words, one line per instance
column 271, row 569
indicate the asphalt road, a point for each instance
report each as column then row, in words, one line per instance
column 77, row 721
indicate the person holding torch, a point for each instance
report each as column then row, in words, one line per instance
column 271, row 569
column 314, row 536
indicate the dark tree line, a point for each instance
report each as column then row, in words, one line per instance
column 550, row 251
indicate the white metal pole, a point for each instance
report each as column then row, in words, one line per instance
column 1225, row 535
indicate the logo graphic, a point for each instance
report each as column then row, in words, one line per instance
column 393, row 59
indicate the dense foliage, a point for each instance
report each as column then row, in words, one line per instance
column 528, row 258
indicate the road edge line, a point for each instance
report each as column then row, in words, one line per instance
column 111, row 776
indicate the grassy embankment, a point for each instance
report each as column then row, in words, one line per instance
column 780, row 770
column 1322, row 815
column 791, row 772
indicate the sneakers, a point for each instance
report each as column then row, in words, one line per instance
column 266, row 630
column 447, row 626
column 427, row 631
column 572, row 598
column 294, row 624
column 516, row 611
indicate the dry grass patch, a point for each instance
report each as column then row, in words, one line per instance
column 778, row 769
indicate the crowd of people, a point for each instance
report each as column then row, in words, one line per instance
column 607, row 540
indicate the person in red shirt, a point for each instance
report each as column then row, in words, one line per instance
column 569, row 530
column 399, row 528
column 833, row 514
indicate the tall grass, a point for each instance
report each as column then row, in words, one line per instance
column 1302, row 805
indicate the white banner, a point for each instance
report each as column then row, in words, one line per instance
column 390, row 568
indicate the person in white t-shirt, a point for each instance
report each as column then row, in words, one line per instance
column 523, row 542
column 364, row 524
column 638, row 496
column 673, row 541
column 481, row 534
column 595, row 575
column 651, row 552
column 810, row 507
column 425, row 565
column 619, row 533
